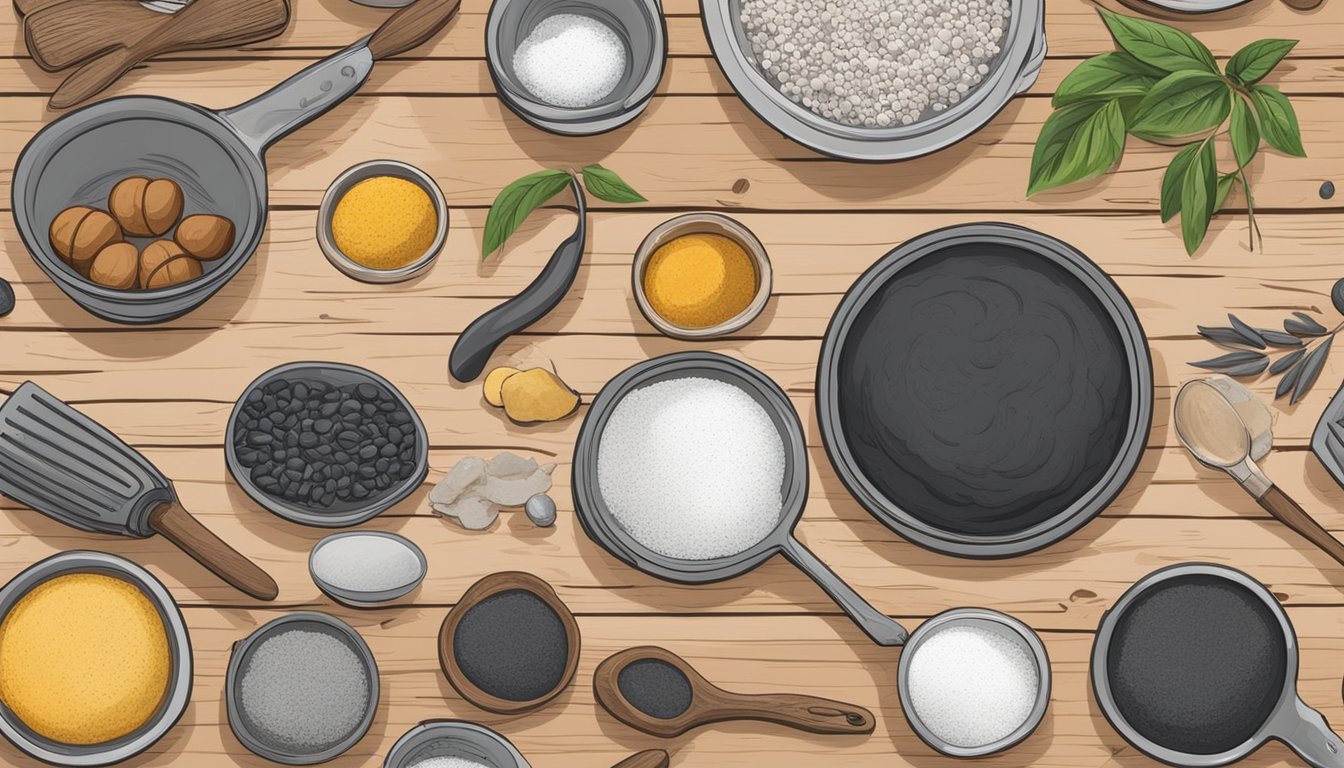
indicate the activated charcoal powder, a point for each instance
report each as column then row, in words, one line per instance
column 655, row 688
column 1197, row 664
column 512, row 645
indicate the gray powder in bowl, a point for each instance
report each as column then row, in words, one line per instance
column 303, row 691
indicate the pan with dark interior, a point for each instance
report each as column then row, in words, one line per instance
column 984, row 390
column 1196, row 665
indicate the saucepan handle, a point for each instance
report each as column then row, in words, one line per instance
column 883, row 629
column 1306, row 732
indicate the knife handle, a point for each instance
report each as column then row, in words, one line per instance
column 178, row 526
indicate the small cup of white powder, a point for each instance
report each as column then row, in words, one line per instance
column 366, row 568
column 452, row 744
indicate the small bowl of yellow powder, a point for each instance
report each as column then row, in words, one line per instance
column 95, row 661
column 382, row 222
column 701, row 276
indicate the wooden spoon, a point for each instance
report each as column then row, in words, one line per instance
column 711, row 704
column 649, row 758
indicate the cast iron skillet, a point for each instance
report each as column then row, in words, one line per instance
column 1094, row 288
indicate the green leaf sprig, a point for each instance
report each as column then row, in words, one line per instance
column 519, row 199
column 1164, row 86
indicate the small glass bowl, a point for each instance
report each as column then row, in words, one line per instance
column 352, row 176
column 703, row 224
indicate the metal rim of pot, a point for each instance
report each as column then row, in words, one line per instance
column 242, row 651
column 1080, row 511
column 613, row 111
column 972, row 616
column 327, row 373
column 454, row 738
column 176, row 696
column 357, row 599
column 1013, row 73
column 326, row 238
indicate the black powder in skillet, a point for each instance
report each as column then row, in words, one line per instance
column 512, row 645
column 655, row 688
column 1197, row 664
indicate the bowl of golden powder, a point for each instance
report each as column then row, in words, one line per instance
column 701, row 276
column 95, row 661
column 382, row 222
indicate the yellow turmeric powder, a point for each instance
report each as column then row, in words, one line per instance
column 700, row 280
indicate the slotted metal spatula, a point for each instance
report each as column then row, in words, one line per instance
column 70, row 468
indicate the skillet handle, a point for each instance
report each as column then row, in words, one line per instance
column 1308, row 734
column 884, row 630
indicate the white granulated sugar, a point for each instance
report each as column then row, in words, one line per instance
column 304, row 691
column 570, row 60
column 692, row 468
column 447, row 762
column 875, row 63
column 366, row 563
column 972, row 686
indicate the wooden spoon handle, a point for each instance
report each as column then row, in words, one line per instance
column 411, row 26
column 649, row 758
column 806, row 713
column 1291, row 514
column 178, row 526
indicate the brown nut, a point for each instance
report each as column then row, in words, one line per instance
column 176, row 270
column 146, row 207
column 115, row 266
column 153, row 257
column 205, row 236
column 79, row 232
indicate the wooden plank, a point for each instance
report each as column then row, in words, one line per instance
column 813, row 655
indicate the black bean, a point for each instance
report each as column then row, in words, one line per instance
column 388, row 451
column 393, row 435
column 367, row 391
column 368, row 452
column 308, row 440
column 327, row 499
column 349, row 437
column 359, row 491
column 329, row 409
column 399, row 418
column 258, row 472
column 254, row 396
column 260, row 439
column 322, row 426
column 342, row 483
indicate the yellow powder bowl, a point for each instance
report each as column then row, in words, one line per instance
column 94, row 659
column 383, row 221
column 701, row 276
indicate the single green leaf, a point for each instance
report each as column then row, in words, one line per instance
column 1278, row 121
column 1167, row 48
column 1110, row 75
column 1257, row 60
column 605, row 184
column 516, row 202
column 1244, row 132
column 1198, row 191
column 1182, row 104
column 1225, row 183
column 1077, row 142
column 1173, row 179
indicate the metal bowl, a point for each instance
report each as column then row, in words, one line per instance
column 1014, row 72
column 242, row 654
column 1004, row 625
column 454, row 738
column 703, row 223
column 639, row 24
column 340, row 515
column 352, row 176
column 179, row 647
column 355, row 598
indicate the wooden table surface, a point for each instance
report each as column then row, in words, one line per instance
column 168, row 391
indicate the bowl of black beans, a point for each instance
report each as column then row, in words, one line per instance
column 326, row 444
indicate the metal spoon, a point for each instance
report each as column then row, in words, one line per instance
column 1212, row 427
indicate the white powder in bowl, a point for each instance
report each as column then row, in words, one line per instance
column 447, row 762
column 971, row 686
column 692, row 468
column 570, row 60
column 366, row 563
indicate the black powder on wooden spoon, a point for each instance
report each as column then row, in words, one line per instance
column 655, row 687
column 512, row 645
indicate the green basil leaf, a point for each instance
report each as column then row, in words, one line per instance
column 1198, row 191
column 1225, row 183
column 1244, row 132
column 1173, row 179
column 1077, row 142
column 1167, row 48
column 1182, row 104
column 1257, row 60
column 1278, row 121
column 516, row 202
column 1108, row 76
column 605, row 184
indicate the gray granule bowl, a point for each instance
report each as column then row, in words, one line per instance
column 339, row 515
column 639, row 24
column 175, row 699
column 453, row 738
column 307, row 621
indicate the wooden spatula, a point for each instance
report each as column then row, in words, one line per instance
column 202, row 24
column 62, row 34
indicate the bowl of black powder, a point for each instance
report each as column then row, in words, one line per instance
column 326, row 444
column 510, row 644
